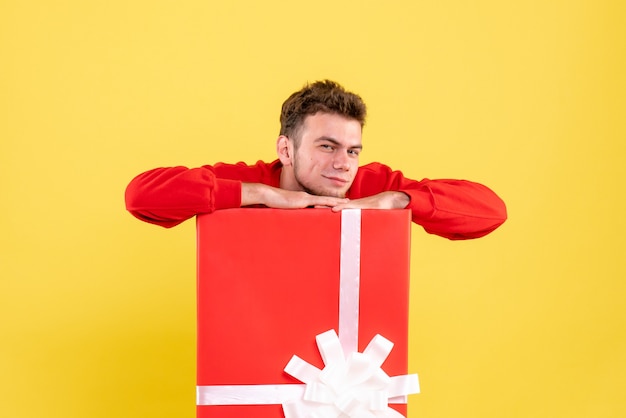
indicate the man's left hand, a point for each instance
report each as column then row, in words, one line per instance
column 384, row 200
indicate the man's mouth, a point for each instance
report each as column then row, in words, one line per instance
column 337, row 180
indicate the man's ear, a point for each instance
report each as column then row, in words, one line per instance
column 284, row 149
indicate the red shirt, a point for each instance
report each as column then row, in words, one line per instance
column 454, row 209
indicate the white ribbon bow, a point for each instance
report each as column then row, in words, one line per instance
column 354, row 387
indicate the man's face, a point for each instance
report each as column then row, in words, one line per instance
column 327, row 156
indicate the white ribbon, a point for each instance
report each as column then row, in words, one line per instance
column 349, row 279
column 355, row 386
column 352, row 384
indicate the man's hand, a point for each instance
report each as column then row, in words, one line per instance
column 384, row 200
column 273, row 197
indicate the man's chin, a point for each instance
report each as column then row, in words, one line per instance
column 326, row 192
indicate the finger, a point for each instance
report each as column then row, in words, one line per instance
column 329, row 201
column 346, row 205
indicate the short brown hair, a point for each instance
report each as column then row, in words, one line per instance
column 322, row 96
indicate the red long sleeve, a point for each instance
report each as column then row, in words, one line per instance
column 171, row 195
column 459, row 209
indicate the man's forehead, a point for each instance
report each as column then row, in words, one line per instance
column 331, row 125
column 320, row 114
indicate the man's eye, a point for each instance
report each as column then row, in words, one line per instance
column 327, row 147
column 354, row 152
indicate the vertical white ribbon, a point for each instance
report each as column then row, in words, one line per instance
column 349, row 279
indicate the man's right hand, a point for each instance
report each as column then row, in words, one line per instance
column 273, row 197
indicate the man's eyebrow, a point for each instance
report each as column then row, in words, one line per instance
column 335, row 142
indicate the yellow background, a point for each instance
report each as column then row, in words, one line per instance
column 97, row 309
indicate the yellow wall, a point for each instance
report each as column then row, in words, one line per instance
column 97, row 309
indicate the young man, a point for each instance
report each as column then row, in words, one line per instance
column 318, row 155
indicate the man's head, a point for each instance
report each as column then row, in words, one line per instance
column 322, row 96
column 320, row 139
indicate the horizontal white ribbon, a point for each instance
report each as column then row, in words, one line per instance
column 258, row 394
column 351, row 383
column 248, row 394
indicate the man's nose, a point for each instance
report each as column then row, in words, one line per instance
column 341, row 161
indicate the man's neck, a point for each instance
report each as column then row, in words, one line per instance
column 288, row 180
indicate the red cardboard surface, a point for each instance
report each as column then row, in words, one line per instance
column 268, row 283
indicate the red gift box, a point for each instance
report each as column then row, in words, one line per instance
column 271, row 280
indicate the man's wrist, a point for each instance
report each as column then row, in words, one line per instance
column 252, row 194
column 401, row 200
